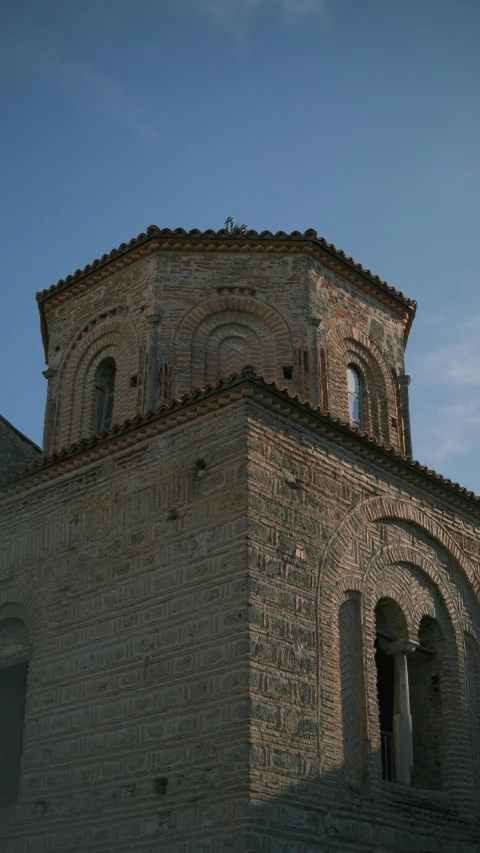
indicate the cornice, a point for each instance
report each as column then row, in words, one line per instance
column 179, row 240
column 226, row 393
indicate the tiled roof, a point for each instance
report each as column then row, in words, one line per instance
column 19, row 434
column 296, row 242
column 225, row 392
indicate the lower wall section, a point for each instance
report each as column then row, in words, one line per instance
column 204, row 613
column 328, row 819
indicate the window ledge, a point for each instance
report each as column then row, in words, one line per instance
column 419, row 796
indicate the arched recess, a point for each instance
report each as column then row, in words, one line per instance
column 472, row 650
column 17, row 601
column 112, row 337
column 422, row 591
column 220, row 337
column 435, row 751
column 18, row 644
column 347, row 346
column 339, row 577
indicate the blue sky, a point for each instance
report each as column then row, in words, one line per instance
column 359, row 118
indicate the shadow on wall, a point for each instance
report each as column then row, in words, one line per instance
column 323, row 815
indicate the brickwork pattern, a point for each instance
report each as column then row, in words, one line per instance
column 114, row 338
column 185, row 689
column 210, row 336
column 138, row 686
column 349, row 346
column 381, row 541
column 202, row 603
column 180, row 321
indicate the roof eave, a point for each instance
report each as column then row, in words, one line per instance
column 180, row 237
column 340, row 432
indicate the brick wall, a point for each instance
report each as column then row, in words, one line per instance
column 177, row 321
column 133, row 576
column 192, row 601
column 330, row 538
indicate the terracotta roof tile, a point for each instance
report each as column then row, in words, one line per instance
column 195, row 240
column 344, row 433
column 153, row 231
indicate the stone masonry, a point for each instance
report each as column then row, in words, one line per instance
column 202, row 594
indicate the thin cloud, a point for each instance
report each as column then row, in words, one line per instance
column 453, row 373
column 229, row 12
column 458, row 364
column 107, row 95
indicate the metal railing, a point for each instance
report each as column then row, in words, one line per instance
column 388, row 772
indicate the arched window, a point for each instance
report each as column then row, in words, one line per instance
column 409, row 698
column 355, row 397
column 105, row 389
column 392, row 688
column 14, row 656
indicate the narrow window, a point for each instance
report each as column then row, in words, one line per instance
column 13, row 688
column 391, row 649
column 425, row 678
column 14, row 654
column 385, row 688
column 355, row 397
column 105, row 388
column 409, row 699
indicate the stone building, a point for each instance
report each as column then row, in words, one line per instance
column 235, row 615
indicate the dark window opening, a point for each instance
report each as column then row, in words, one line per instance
column 287, row 372
column 133, row 381
column 424, row 675
column 13, row 689
column 163, row 383
column 385, row 691
column 105, row 387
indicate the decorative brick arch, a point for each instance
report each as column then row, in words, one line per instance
column 113, row 335
column 227, row 334
column 347, row 345
column 77, row 336
column 17, row 600
column 337, row 577
column 214, row 353
column 416, row 605
column 377, row 509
